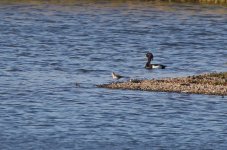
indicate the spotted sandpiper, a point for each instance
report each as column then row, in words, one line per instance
column 116, row 76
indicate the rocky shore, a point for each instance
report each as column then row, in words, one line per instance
column 113, row 2
column 211, row 84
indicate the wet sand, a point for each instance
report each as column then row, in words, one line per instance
column 211, row 84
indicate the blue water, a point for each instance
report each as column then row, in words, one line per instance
column 52, row 56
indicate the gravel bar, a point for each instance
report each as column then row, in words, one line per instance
column 210, row 84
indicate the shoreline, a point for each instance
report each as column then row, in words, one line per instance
column 208, row 84
column 215, row 2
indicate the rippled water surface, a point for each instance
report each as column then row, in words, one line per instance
column 53, row 55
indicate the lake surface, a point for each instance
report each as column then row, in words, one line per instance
column 53, row 54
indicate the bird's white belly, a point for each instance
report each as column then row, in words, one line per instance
column 156, row 66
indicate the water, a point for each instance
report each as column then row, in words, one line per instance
column 53, row 55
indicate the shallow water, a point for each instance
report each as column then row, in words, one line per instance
column 53, row 55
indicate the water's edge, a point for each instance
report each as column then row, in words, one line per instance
column 219, row 2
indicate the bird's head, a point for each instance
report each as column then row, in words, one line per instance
column 149, row 56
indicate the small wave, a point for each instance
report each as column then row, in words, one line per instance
column 24, row 54
column 89, row 70
column 59, row 69
column 13, row 69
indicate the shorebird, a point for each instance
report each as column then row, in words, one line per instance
column 152, row 66
column 116, row 76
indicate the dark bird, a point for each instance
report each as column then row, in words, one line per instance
column 152, row 66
